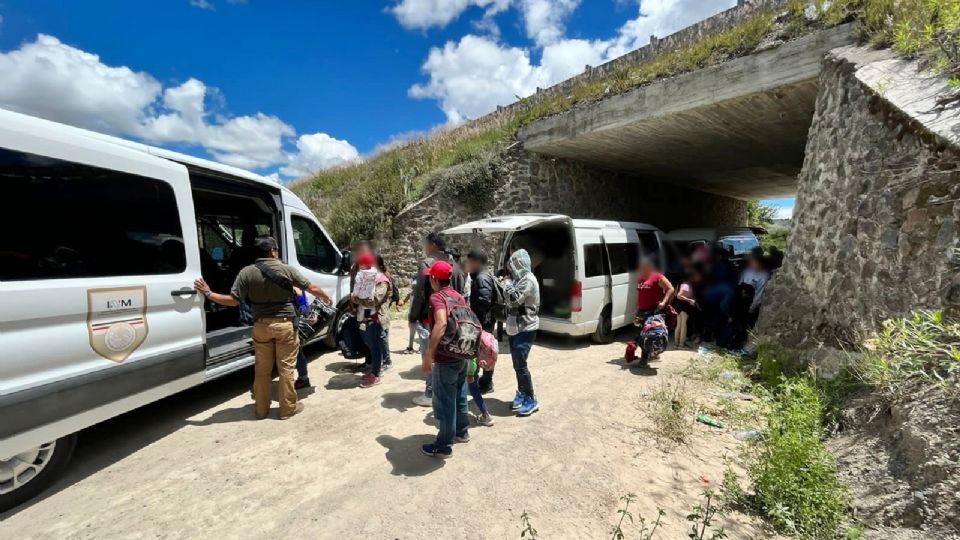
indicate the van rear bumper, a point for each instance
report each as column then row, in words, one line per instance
column 567, row 327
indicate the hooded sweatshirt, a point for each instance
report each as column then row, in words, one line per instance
column 522, row 295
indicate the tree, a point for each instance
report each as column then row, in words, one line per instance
column 760, row 215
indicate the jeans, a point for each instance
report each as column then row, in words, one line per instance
column 301, row 364
column 373, row 338
column 424, row 335
column 385, row 344
column 520, row 345
column 450, row 400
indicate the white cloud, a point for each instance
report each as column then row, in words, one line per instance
column 469, row 78
column 318, row 151
column 52, row 80
column 661, row 18
column 49, row 79
column 784, row 212
column 544, row 19
column 473, row 76
column 422, row 14
column 202, row 4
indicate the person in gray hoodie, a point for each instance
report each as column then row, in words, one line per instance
column 522, row 298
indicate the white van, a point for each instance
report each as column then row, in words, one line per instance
column 102, row 239
column 586, row 268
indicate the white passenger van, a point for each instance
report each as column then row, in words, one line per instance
column 586, row 268
column 101, row 241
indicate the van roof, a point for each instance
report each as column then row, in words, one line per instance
column 602, row 224
column 51, row 128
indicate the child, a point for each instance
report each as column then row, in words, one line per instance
column 484, row 419
column 685, row 303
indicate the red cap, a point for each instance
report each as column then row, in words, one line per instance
column 365, row 259
column 441, row 270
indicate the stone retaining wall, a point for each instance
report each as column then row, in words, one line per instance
column 875, row 227
column 534, row 183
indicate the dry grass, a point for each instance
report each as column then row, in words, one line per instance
column 674, row 410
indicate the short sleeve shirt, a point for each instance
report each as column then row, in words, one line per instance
column 266, row 298
column 438, row 303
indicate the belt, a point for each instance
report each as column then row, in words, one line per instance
column 272, row 319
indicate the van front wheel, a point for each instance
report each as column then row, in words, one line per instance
column 332, row 340
column 604, row 332
column 25, row 475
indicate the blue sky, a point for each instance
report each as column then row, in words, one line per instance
column 285, row 87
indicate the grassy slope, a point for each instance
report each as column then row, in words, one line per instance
column 356, row 201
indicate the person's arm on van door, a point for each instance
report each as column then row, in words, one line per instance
column 316, row 291
column 667, row 292
column 223, row 299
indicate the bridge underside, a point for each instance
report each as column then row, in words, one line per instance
column 737, row 129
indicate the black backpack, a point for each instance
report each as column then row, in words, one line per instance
column 498, row 304
column 462, row 337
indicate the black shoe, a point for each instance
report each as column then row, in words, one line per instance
column 303, row 382
column 433, row 450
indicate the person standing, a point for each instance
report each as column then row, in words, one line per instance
column 523, row 320
column 481, row 302
column 434, row 249
column 373, row 316
column 267, row 285
column 449, row 374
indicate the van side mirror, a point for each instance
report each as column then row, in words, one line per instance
column 346, row 262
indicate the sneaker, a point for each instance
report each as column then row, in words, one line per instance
column 485, row 419
column 301, row 383
column 530, row 405
column 465, row 438
column 517, row 401
column 295, row 412
column 433, row 450
column 423, row 400
column 386, row 366
column 408, row 350
column 370, row 380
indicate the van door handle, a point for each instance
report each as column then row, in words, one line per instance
column 186, row 291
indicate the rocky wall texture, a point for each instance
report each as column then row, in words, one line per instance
column 529, row 182
column 875, row 227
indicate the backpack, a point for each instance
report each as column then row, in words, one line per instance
column 488, row 351
column 498, row 304
column 462, row 337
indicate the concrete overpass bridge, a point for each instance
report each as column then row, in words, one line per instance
column 737, row 129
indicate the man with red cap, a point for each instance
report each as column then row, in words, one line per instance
column 449, row 374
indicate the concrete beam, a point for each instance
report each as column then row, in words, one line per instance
column 736, row 129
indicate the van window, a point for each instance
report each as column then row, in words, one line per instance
column 623, row 257
column 649, row 247
column 593, row 260
column 314, row 251
column 71, row 220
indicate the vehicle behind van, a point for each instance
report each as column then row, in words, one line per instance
column 738, row 240
column 98, row 315
column 586, row 268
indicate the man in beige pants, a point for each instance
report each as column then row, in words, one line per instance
column 267, row 285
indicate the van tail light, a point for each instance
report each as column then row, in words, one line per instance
column 576, row 297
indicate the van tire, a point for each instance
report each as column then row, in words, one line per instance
column 62, row 452
column 332, row 339
column 604, row 333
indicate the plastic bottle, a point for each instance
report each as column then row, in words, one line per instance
column 747, row 435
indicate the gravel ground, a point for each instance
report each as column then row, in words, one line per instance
column 197, row 465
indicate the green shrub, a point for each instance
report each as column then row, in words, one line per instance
column 924, row 346
column 774, row 362
column 793, row 474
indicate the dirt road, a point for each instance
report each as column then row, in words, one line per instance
column 197, row 465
